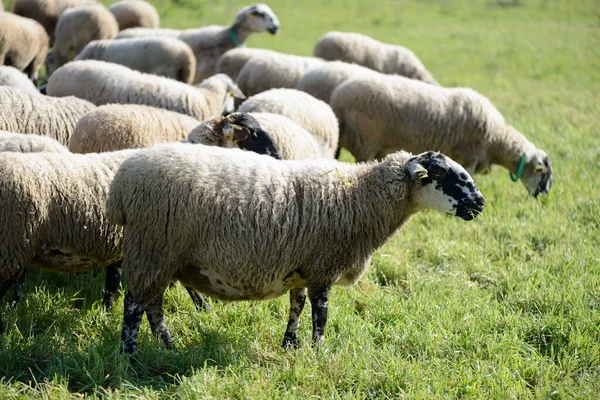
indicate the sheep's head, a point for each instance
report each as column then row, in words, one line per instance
column 258, row 18
column 245, row 132
column 537, row 173
column 52, row 63
column 442, row 184
column 221, row 84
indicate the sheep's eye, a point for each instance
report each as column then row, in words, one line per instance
column 436, row 172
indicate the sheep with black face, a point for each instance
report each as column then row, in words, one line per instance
column 239, row 226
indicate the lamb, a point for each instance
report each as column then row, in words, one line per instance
column 22, row 143
column 23, row 44
column 291, row 140
column 371, row 53
column 77, row 27
column 380, row 116
column 281, row 71
column 321, row 82
column 135, row 13
column 161, row 56
column 254, row 228
column 232, row 61
column 313, row 115
column 116, row 127
column 209, row 43
column 103, row 83
column 10, row 76
column 46, row 12
column 24, row 112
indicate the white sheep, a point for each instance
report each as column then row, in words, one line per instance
column 25, row 112
column 77, row 27
column 23, row 43
column 117, row 127
column 232, row 61
column 46, row 12
column 380, row 116
column 29, row 143
column 275, row 71
column 313, row 115
column 291, row 140
column 371, row 53
column 10, row 76
column 209, row 43
column 161, row 56
column 104, row 83
column 241, row 226
column 135, row 13
column 322, row 81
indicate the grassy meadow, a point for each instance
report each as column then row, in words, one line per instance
column 505, row 306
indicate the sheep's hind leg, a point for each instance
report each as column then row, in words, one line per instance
column 132, row 317
column 19, row 288
column 4, row 286
column 297, row 300
column 198, row 299
column 111, row 285
column 154, row 312
column 318, row 300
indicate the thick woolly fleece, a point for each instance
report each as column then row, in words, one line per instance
column 210, row 42
column 232, row 61
column 135, row 13
column 312, row 114
column 23, row 43
column 24, row 112
column 104, row 83
column 371, row 53
column 29, row 143
column 10, row 76
column 160, row 56
column 128, row 126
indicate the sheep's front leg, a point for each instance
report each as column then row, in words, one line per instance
column 318, row 301
column 297, row 300
column 154, row 312
column 111, row 284
column 198, row 299
column 132, row 317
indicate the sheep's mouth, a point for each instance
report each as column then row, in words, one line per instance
column 273, row 30
column 471, row 211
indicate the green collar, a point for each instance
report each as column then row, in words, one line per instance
column 519, row 170
column 234, row 38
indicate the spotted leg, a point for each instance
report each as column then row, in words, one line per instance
column 111, row 284
column 297, row 300
column 198, row 299
column 318, row 301
column 19, row 288
column 132, row 317
column 154, row 312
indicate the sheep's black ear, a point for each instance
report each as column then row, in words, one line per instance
column 261, row 142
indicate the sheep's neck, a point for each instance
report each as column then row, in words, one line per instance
column 240, row 32
column 508, row 148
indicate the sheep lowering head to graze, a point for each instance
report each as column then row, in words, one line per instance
column 210, row 42
column 104, row 83
column 379, row 116
column 371, row 53
column 241, row 226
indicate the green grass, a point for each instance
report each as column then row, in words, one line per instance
column 506, row 306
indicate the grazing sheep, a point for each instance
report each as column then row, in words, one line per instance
column 210, row 42
column 118, row 127
column 46, row 12
column 255, row 228
column 104, row 83
column 380, row 116
column 275, row 71
column 321, row 82
column 29, row 143
column 232, row 61
column 292, row 141
column 134, row 13
column 371, row 53
column 313, row 115
column 23, row 43
column 24, row 112
column 77, row 27
column 10, row 76
column 161, row 56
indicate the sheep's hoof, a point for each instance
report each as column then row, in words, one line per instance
column 290, row 342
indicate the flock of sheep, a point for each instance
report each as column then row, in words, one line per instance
column 121, row 161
